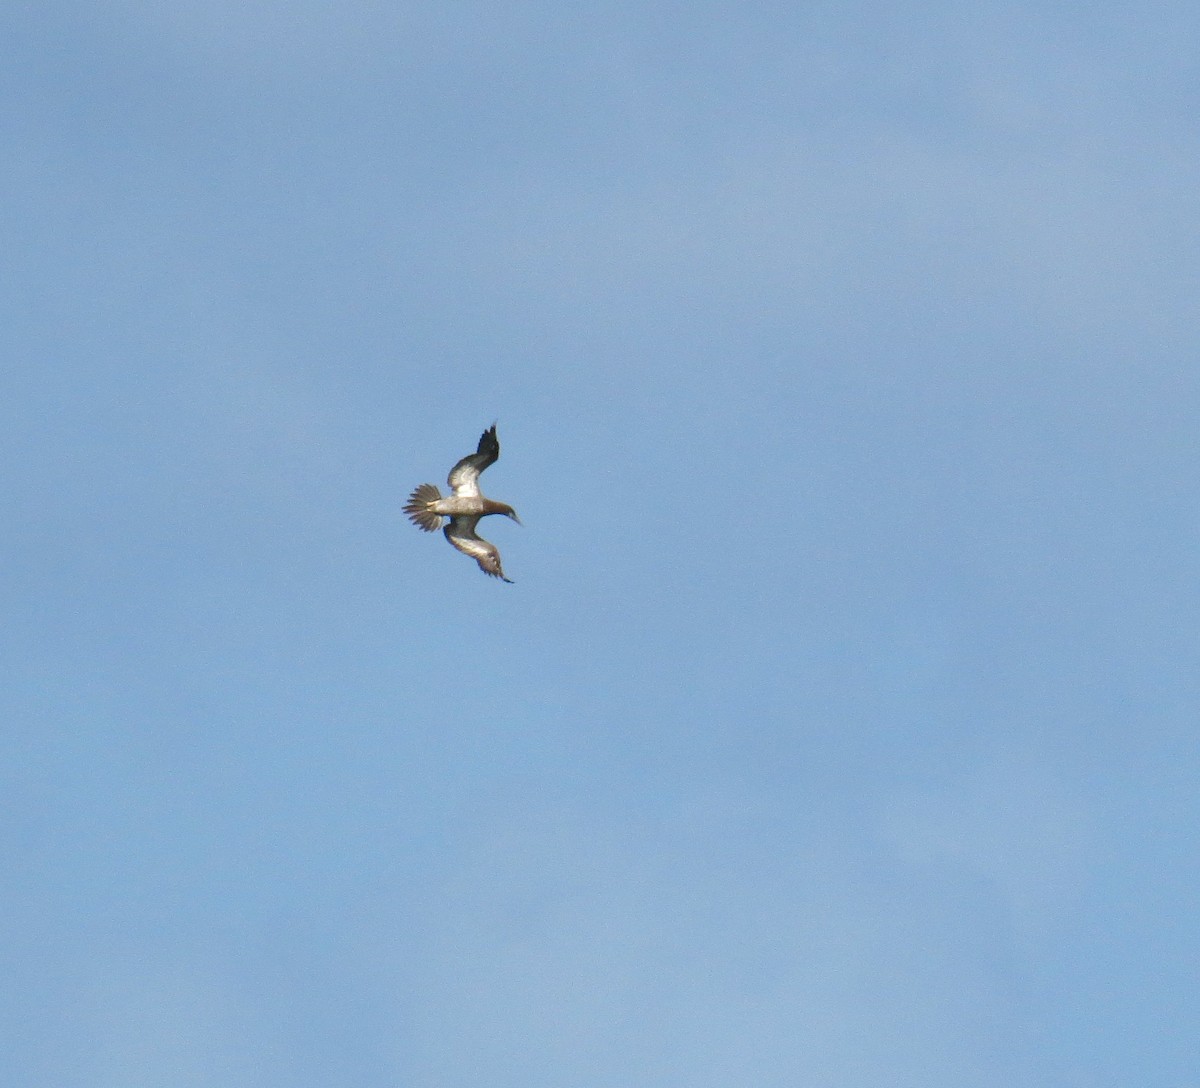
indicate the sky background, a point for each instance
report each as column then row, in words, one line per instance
column 840, row 728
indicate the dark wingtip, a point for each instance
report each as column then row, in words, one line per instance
column 489, row 444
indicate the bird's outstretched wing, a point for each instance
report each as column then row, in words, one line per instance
column 461, row 533
column 464, row 477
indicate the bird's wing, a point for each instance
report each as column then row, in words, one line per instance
column 461, row 533
column 464, row 477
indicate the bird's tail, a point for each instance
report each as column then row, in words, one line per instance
column 417, row 508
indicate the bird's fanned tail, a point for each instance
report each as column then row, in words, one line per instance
column 417, row 508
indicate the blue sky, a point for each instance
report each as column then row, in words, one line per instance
column 839, row 729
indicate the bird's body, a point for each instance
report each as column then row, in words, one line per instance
column 464, row 506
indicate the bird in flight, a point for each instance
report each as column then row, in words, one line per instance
column 464, row 506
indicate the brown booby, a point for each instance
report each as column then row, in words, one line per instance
column 464, row 506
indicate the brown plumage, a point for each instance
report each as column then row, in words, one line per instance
column 464, row 506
